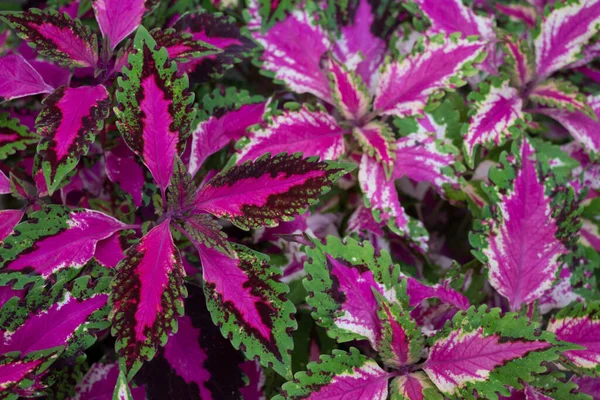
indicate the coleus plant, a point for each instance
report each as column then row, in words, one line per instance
column 229, row 200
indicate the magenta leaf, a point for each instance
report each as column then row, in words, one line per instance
column 579, row 324
column 68, row 124
column 53, row 239
column 312, row 133
column 23, row 373
column 417, row 292
column 377, row 141
column 99, row 383
column 348, row 91
column 196, row 362
column 155, row 112
column 8, row 220
column 233, row 112
column 582, row 127
column 519, row 61
column 242, row 290
column 219, row 31
column 183, row 46
column 339, row 376
column 268, row 190
column 297, row 62
column 482, row 351
column 413, row 386
column 19, row 79
column 55, row 35
column 496, row 114
column 521, row 243
column 147, row 297
column 381, row 196
column 119, row 18
column 4, row 183
column 122, row 168
column 404, row 87
column 563, row 34
column 558, row 93
column 524, row 13
column 560, row 295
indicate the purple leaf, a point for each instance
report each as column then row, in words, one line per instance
column 453, row 16
column 579, row 325
column 154, row 110
column 523, row 252
column 8, row 220
column 348, row 91
column 411, row 386
column 54, row 75
column 590, row 235
column 418, row 292
column 100, row 381
column 563, row 34
column 584, row 129
column 182, row 46
column 357, row 40
column 147, row 297
column 56, row 36
column 519, row 61
column 122, row 168
column 312, row 133
column 215, row 133
column 405, row 87
column 381, row 196
column 220, row 31
column 19, row 79
column 463, row 357
column 53, row 327
column 297, row 62
column 376, row 140
column 4, row 183
column 119, row 18
column 18, row 375
column 588, row 385
column 268, row 190
column 519, row 12
column 243, row 291
column 558, row 93
column 110, row 251
column 422, row 158
column 68, row 124
column 55, row 238
column 497, row 111
column 560, row 295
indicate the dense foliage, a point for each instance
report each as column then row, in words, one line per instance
column 353, row 199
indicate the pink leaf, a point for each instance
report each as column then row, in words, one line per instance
column 119, row 18
column 519, row 12
column 99, row 383
column 19, row 79
column 376, row 140
column 519, row 61
column 411, row 386
column 147, row 296
column 563, row 34
column 453, row 16
column 4, row 183
column 348, row 91
column 8, row 220
column 123, row 169
column 558, row 93
column 404, row 87
column 312, row 133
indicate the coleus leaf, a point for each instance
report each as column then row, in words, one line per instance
column 521, row 243
column 341, row 375
column 19, row 79
column 147, row 297
column 8, row 220
column 519, row 61
column 14, row 136
column 68, row 124
column 268, row 190
column 234, row 112
column 404, row 87
column 561, row 294
column 341, row 280
column 381, row 196
column 310, row 132
column 483, row 352
column 51, row 240
column 413, row 386
column 578, row 324
column 423, row 158
column 524, row 13
column 55, row 35
column 581, row 126
column 21, row 373
column 4, row 183
column 558, row 93
column 100, row 382
column 453, row 16
column 123, row 168
column 155, row 110
column 376, row 140
column 496, row 115
column 197, row 362
column 243, row 291
column 182, row 46
column 220, row 31
column 587, row 385
column 297, row 63
column 563, row 33
column 122, row 391
column 348, row 91
column 119, row 18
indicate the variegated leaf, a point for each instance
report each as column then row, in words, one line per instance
column 155, row 109
column 119, row 18
column 19, row 79
column 68, row 125
column 377, row 141
column 558, row 93
column 182, row 46
column 519, row 61
column 14, row 136
column 348, row 91
column 413, row 386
